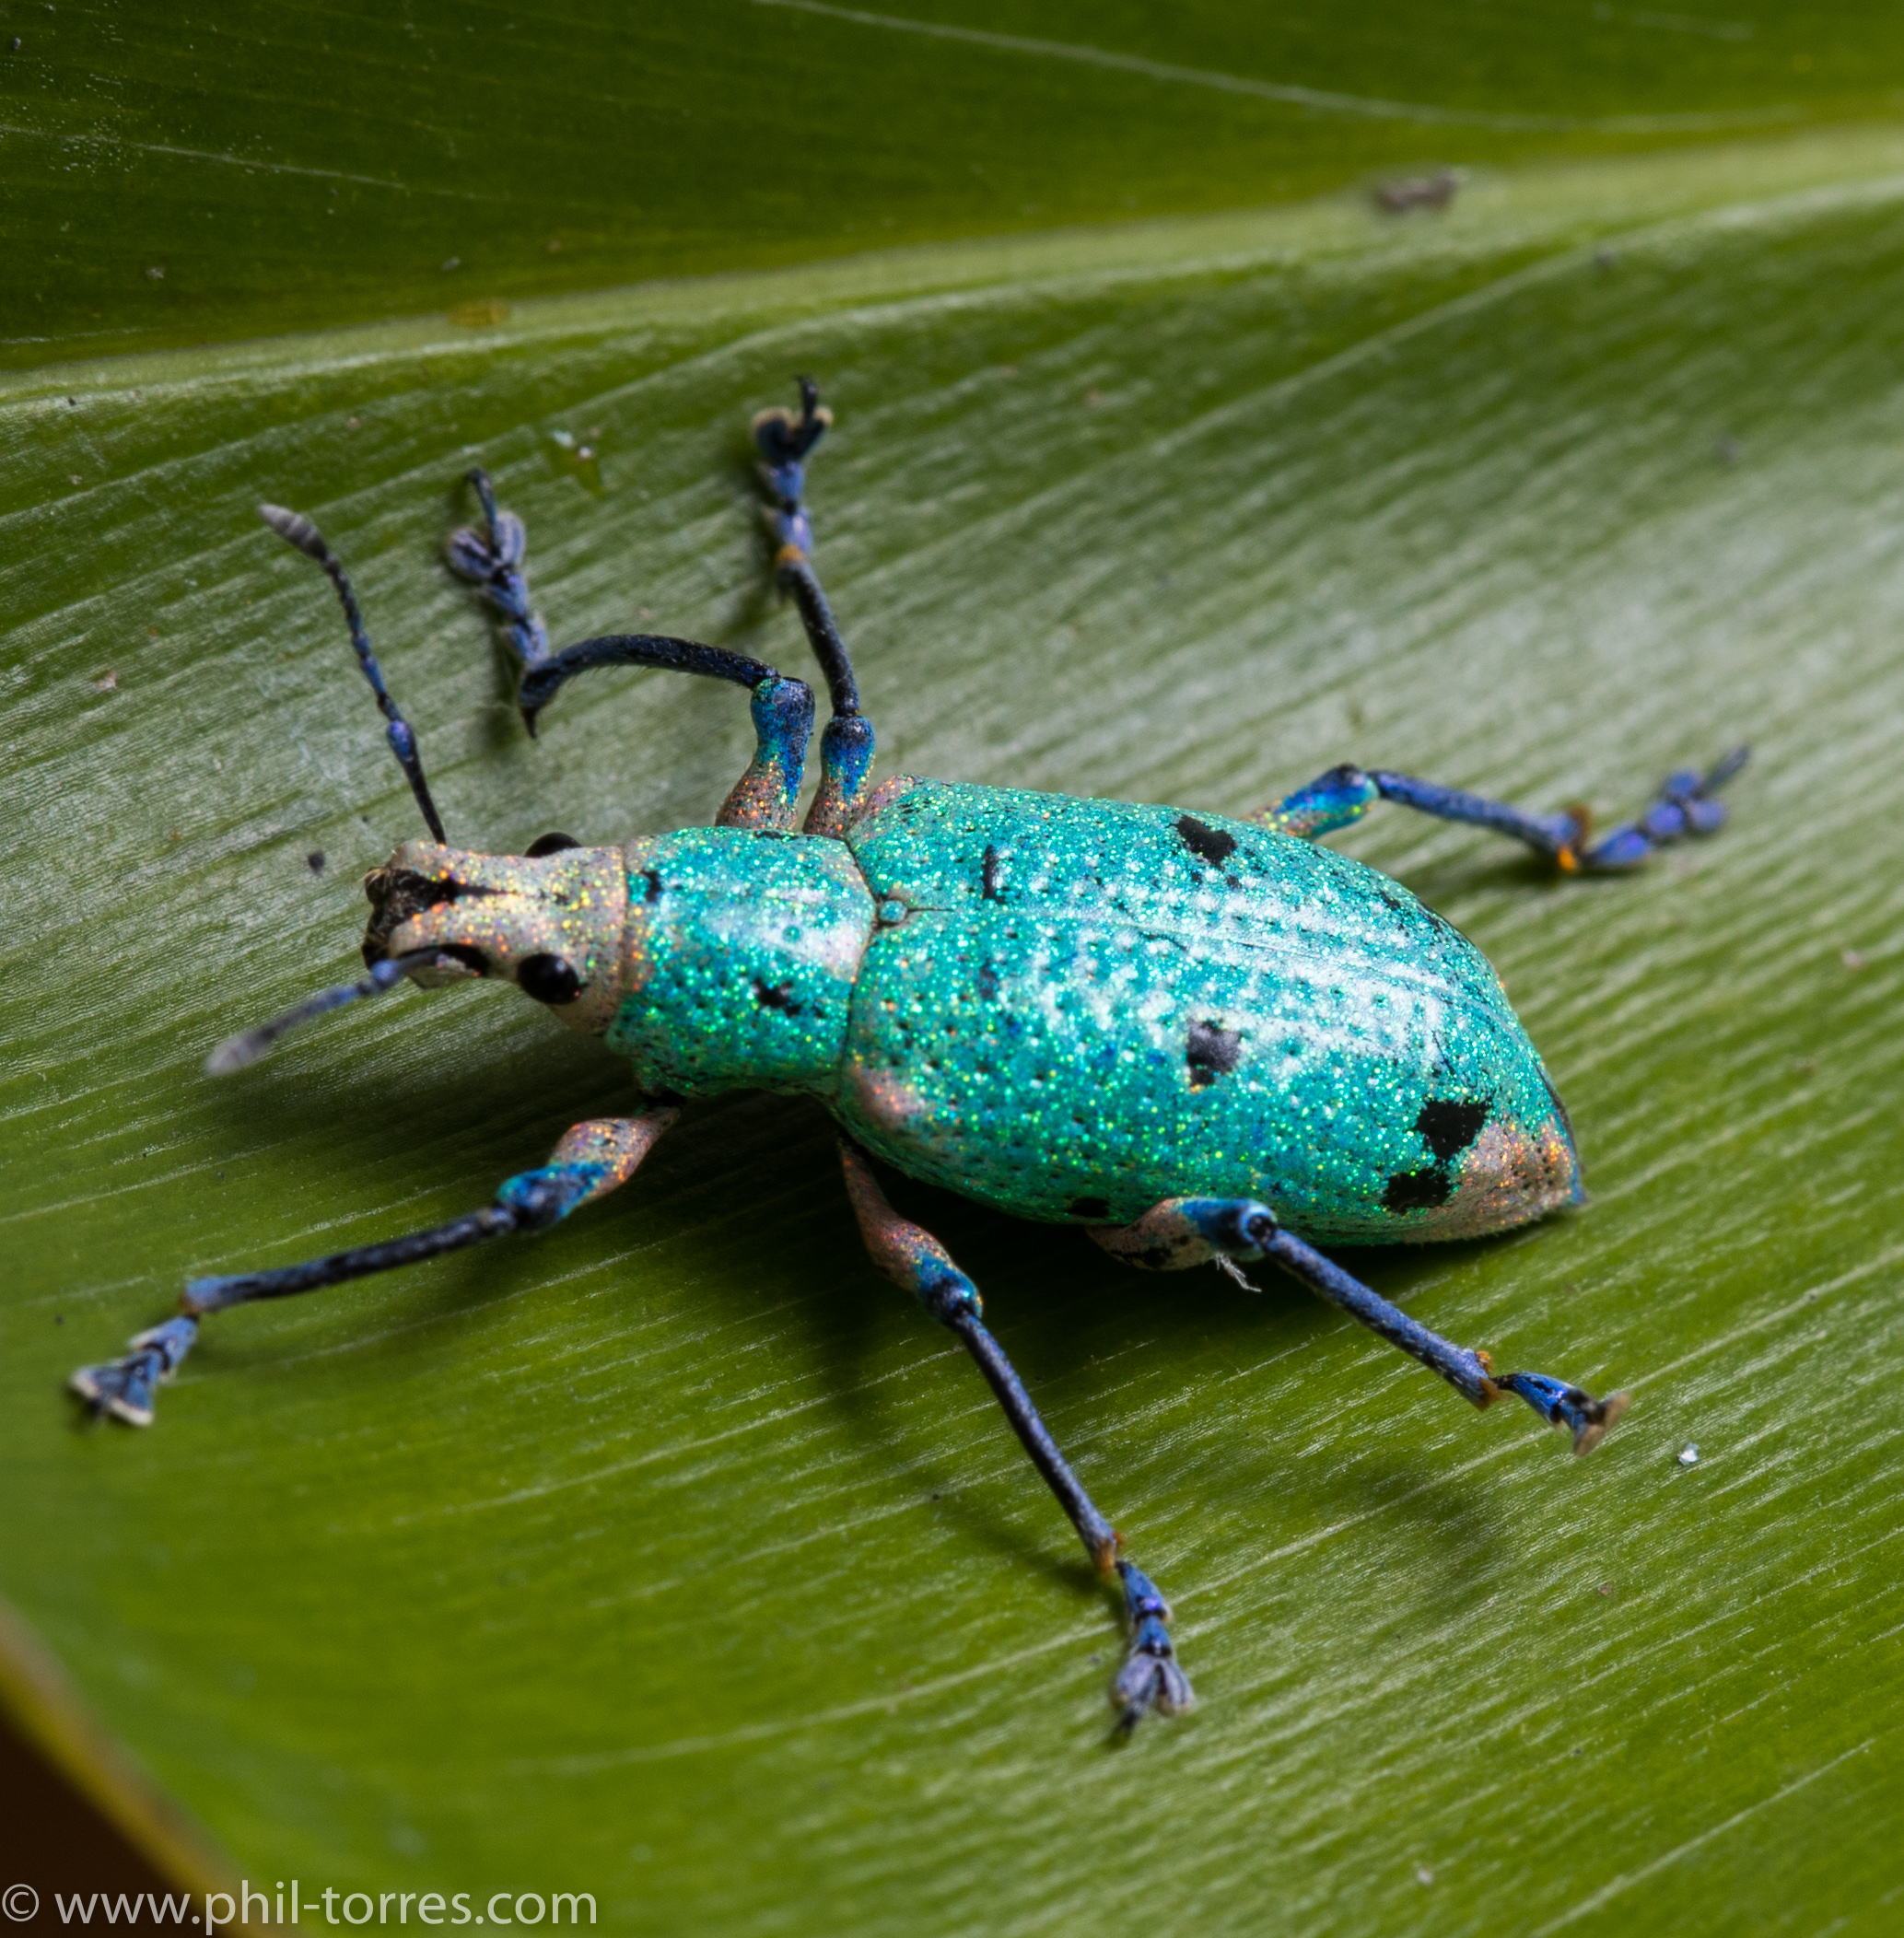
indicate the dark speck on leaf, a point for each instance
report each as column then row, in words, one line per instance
column 1208, row 844
column 1211, row 1052
column 314, row 861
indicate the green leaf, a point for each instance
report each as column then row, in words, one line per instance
column 254, row 168
column 672, row 1557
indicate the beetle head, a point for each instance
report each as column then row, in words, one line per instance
column 550, row 921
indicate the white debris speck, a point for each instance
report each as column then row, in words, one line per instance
column 1688, row 1456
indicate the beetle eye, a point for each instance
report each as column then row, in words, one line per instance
column 550, row 844
column 549, row 980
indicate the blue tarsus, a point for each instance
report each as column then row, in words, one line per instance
column 126, row 1388
column 1561, row 1404
column 492, row 559
column 1151, row 1677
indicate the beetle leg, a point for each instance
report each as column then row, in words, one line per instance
column 784, row 442
column 491, row 558
column 1685, row 804
column 1193, row 1230
column 783, row 712
column 591, row 1159
column 915, row 1260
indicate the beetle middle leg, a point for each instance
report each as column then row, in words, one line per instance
column 1685, row 804
column 915, row 1260
column 1193, row 1230
column 593, row 1158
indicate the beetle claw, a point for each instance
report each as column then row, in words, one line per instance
column 1150, row 1676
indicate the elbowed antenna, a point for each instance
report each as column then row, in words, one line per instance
column 248, row 1045
column 295, row 529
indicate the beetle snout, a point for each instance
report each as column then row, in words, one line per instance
column 552, row 924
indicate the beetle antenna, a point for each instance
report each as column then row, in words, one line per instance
column 248, row 1045
column 297, row 530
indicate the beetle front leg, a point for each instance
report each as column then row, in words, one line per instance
column 785, row 442
column 1150, row 1676
column 491, row 558
column 591, row 1159
column 1685, row 804
column 1192, row 1230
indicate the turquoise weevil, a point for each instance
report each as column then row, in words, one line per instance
column 1205, row 1041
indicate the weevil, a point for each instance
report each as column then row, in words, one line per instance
column 1204, row 1041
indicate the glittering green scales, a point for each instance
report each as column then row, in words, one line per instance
column 1208, row 1042
column 1075, row 1008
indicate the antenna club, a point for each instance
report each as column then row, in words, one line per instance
column 295, row 529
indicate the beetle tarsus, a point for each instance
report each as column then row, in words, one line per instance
column 491, row 559
column 1151, row 1677
column 126, row 1388
column 1560, row 1405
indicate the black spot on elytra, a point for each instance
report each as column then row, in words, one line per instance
column 1211, row 1052
column 987, row 981
column 1095, row 1207
column 988, row 876
column 652, row 876
column 1417, row 1191
column 1208, row 844
column 1449, row 1126
column 775, row 996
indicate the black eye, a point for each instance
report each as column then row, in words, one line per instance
column 550, row 844
column 549, row 980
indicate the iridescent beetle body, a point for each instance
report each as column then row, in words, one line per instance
column 1205, row 1040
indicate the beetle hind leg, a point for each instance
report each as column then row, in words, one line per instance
column 1182, row 1231
column 1149, row 1677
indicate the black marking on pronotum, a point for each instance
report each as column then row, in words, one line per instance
column 549, row 844
column 1449, row 1125
column 549, row 980
column 1093, row 1208
column 1208, row 844
column 987, row 981
column 1417, row 1191
column 988, row 876
column 775, row 996
column 652, row 876
column 1211, row 1052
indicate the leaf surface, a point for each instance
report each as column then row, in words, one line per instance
column 670, row 1557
